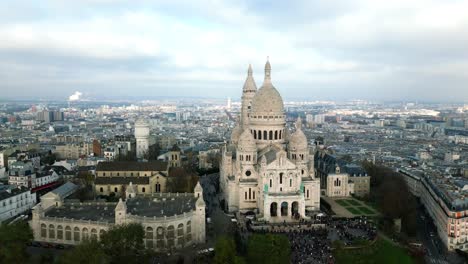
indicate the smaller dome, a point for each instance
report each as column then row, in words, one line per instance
column 247, row 141
column 235, row 134
column 298, row 141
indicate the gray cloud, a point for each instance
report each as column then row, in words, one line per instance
column 398, row 50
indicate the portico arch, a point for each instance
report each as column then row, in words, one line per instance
column 295, row 209
column 284, row 209
column 274, row 209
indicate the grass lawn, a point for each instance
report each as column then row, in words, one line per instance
column 342, row 202
column 366, row 210
column 354, row 210
column 354, row 202
column 382, row 252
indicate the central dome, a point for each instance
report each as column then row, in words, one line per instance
column 267, row 100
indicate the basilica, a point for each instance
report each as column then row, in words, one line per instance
column 266, row 169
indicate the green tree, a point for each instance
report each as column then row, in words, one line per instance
column 89, row 251
column 13, row 242
column 225, row 252
column 49, row 159
column 269, row 248
column 124, row 244
column 153, row 152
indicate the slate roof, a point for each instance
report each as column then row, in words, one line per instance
column 121, row 180
column 157, row 165
column 65, row 190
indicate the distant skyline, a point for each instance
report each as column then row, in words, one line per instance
column 401, row 50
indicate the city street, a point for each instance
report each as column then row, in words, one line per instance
column 436, row 251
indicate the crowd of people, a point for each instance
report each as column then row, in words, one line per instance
column 311, row 240
column 353, row 229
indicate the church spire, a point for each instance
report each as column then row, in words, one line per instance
column 267, row 71
column 249, row 71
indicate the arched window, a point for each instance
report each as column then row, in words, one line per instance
column 271, row 135
column 253, row 195
column 280, row 134
column 290, row 182
column 76, row 234
column 143, row 189
column 245, row 196
column 51, row 231
column 43, row 230
column 149, row 237
column 189, row 231
column 68, row 235
column 101, row 233
column 170, row 236
column 281, row 178
column 250, row 193
column 276, row 134
column 180, row 235
column 115, row 189
column 307, row 193
column 259, row 134
column 101, row 189
column 265, row 135
column 59, row 232
column 271, row 183
column 85, row 234
column 93, row 233
column 160, row 237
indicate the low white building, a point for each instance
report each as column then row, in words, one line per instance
column 22, row 174
column 45, row 178
column 110, row 153
column 15, row 201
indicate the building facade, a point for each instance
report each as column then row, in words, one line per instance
column 15, row 201
column 266, row 169
column 170, row 221
column 73, row 150
column 22, row 173
column 339, row 178
column 449, row 214
column 115, row 177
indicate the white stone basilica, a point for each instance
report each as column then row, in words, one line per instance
column 266, row 169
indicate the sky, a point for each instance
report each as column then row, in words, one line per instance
column 408, row 50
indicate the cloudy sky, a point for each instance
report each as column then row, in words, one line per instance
column 370, row 49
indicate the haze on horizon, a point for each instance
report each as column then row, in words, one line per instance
column 332, row 50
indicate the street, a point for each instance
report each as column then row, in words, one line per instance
column 436, row 251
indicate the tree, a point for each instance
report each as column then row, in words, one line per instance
column 225, row 252
column 124, row 244
column 130, row 156
column 392, row 196
column 269, row 248
column 153, row 152
column 49, row 159
column 89, row 251
column 13, row 242
column 181, row 180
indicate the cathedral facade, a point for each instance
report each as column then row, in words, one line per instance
column 266, row 169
